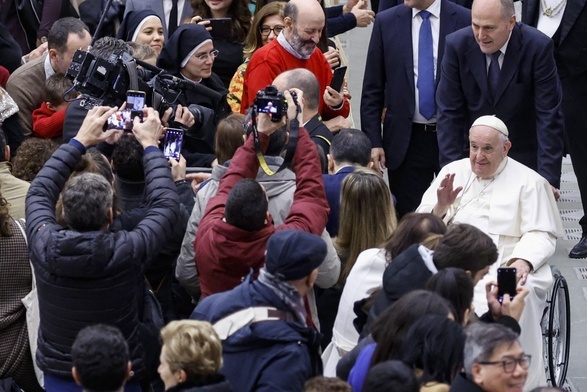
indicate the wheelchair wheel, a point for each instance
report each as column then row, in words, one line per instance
column 556, row 330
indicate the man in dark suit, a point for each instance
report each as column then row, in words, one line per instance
column 350, row 148
column 521, row 87
column 408, row 145
column 385, row 4
column 163, row 8
column 567, row 25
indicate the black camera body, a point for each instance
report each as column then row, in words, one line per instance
column 101, row 82
column 272, row 102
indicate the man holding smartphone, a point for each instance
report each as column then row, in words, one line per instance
column 515, row 206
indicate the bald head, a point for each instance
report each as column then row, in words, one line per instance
column 304, row 80
column 304, row 21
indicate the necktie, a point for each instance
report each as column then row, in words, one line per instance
column 426, row 84
column 493, row 73
column 172, row 26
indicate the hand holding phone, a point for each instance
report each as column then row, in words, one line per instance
column 506, row 283
column 338, row 78
column 220, row 27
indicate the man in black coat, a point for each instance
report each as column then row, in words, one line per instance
column 85, row 274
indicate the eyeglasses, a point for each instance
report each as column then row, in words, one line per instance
column 266, row 30
column 203, row 57
column 509, row 364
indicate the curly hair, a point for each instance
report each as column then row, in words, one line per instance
column 31, row 156
column 192, row 346
column 239, row 13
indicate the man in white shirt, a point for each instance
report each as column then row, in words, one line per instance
column 515, row 206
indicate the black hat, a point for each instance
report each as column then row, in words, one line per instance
column 132, row 22
column 294, row 254
column 184, row 40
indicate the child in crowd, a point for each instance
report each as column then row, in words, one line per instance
column 48, row 119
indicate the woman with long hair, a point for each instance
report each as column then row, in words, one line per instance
column 366, row 275
column 267, row 25
column 367, row 217
column 230, row 47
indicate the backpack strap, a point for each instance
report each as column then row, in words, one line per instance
column 230, row 324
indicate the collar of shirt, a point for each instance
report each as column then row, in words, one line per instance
column 281, row 40
column 434, row 9
column 501, row 56
column 49, row 71
column 195, row 81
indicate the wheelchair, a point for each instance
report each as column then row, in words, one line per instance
column 556, row 330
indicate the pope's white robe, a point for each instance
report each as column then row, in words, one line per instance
column 517, row 209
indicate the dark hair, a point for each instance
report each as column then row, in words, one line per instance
column 254, row 40
column 100, row 356
column 322, row 157
column 246, row 206
column 60, row 31
column 127, row 158
column 55, row 86
column 86, row 200
column 391, row 376
column 456, row 286
column 239, row 13
column 106, row 47
column 229, row 136
column 412, row 229
column 277, row 141
column 351, row 146
column 434, row 344
column 465, row 246
column 31, row 157
column 390, row 328
column 326, row 384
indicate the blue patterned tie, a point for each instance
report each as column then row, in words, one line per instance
column 426, row 82
column 493, row 73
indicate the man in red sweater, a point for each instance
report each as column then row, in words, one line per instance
column 236, row 226
column 294, row 48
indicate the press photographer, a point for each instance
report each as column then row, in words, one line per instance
column 189, row 55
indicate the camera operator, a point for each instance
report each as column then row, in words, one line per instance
column 189, row 54
column 102, row 270
column 233, row 233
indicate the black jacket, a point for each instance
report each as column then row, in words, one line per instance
column 84, row 278
column 462, row 384
column 216, row 383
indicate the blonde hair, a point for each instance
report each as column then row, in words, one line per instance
column 192, row 346
column 367, row 217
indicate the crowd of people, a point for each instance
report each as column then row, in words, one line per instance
column 285, row 261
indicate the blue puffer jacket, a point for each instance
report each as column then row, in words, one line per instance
column 263, row 356
column 84, row 278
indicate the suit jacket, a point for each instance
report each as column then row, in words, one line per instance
column 389, row 77
column 157, row 7
column 385, row 4
column 332, row 186
column 570, row 48
column 528, row 99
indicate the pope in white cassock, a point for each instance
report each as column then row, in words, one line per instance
column 515, row 206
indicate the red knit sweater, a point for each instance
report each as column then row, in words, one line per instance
column 47, row 123
column 271, row 60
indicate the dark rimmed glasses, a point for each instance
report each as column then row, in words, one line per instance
column 509, row 364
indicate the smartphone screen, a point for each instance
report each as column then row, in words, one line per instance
column 506, row 282
column 172, row 143
column 338, row 78
column 135, row 100
column 122, row 119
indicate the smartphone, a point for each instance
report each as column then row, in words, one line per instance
column 221, row 27
column 338, row 78
column 121, row 119
column 506, row 282
column 172, row 143
column 135, row 101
